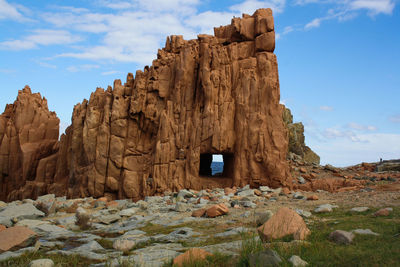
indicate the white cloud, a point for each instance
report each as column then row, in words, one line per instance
column 326, row 108
column 8, row 11
column 84, row 67
column 315, row 23
column 395, row 118
column 334, row 133
column 344, row 10
column 249, row 6
column 111, row 72
column 360, row 127
column 345, row 152
column 40, row 37
column 206, row 21
column 373, row 6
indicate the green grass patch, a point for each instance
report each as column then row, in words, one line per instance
column 59, row 260
column 365, row 250
column 217, row 259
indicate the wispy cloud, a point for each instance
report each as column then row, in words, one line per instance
column 84, row 67
column 249, row 6
column 360, row 127
column 111, row 72
column 41, row 37
column 326, row 108
column 344, row 10
column 12, row 12
column 395, row 118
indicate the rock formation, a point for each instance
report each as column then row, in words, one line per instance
column 297, row 140
column 28, row 146
column 158, row 131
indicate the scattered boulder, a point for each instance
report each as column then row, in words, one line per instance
column 364, row 232
column 41, row 263
column 217, row 210
column 312, row 197
column 123, row 245
column 285, row 222
column 296, row 261
column 383, row 212
column 359, row 209
column 341, row 237
column 198, row 213
column 325, row 208
column 190, row 256
column 262, row 217
column 17, row 236
column 267, row 257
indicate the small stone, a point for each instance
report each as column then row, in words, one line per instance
column 359, row 209
column 303, row 170
column 341, row 237
column 364, row 232
column 257, row 192
column 383, row 212
column 41, row 263
column 298, row 195
column 123, row 244
column 191, row 255
column 325, row 208
column 217, row 210
column 285, row 191
column 2, row 227
column 304, row 213
column 265, row 189
column 312, row 197
column 267, row 257
column 301, row 180
column 296, row 261
column 198, row 213
column 181, row 207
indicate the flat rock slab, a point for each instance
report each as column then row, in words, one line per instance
column 15, row 236
column 359, row 209
column 19, row 212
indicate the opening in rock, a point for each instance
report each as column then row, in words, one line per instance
column 216, row 164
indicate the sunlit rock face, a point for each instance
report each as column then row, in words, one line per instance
column 158, row 131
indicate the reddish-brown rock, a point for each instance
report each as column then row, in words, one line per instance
column 198, row 213
column 17, row 236
column 217, row 210
column 28, row 143
column 284, row 222
column 190, row 256
column 312, row 197
column 158, row 131
column 2, row 227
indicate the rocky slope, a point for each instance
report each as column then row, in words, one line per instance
column 158, row 131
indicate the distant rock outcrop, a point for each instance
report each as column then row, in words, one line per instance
column 297, row 140
column 158, row 131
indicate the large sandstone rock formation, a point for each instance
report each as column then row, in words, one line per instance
column 158, row 131
column 28, row 146
column 297, row 143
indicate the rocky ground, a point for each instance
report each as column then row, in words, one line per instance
column 153, row 231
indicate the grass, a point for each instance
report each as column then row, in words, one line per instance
column 59, row 260
column 217, row 259
column 365, row 250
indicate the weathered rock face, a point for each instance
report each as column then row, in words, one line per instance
column 297, row 140
column 158, row 131
column 28, row 143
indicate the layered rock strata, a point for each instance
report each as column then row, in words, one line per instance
column 159, row 130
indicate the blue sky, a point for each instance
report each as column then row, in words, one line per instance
column 339, row 61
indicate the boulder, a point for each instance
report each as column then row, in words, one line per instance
column 267, row 257
column 341, row 237
column 283, row 223
column 17, row 236
column 190, row 256
column 217, row 210
column 296, row 261
column 41, row 263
